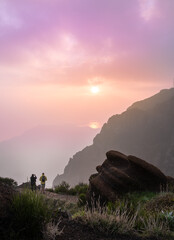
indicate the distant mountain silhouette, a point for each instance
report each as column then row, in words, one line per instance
column 42, row 149
column 145, row 130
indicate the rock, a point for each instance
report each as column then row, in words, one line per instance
column 120, row 174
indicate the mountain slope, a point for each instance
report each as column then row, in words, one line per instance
column 42, row 149
column 145, row 130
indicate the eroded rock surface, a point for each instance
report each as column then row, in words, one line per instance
column 121, row 174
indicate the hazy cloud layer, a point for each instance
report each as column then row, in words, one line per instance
column 72, row 41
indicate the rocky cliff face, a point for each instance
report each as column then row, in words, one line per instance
column 145, row 130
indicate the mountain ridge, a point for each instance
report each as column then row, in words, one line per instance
column 145, row 130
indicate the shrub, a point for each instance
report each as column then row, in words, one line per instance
column 161, row 202
column 62, row 188
column 82, row 199
column 78, row 189
column 29, row 215
column 8, row 181
column 49, row 189
column 81, row 188
column 72, row 191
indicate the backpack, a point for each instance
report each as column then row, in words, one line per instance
column 43, row 178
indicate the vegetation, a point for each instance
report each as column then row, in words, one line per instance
column 49, row 189
column 144, row 214
column 64, row 188
column 131, row 215
column 8, row 181
column 79, row 190
column 29, row 213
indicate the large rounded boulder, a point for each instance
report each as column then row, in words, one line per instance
column 120, row 174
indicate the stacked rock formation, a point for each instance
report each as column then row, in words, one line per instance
column 121, row 174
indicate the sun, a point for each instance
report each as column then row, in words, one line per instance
column 94, row 125
column 95, row 89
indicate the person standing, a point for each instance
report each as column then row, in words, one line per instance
column 43, row 179
column 33, row 182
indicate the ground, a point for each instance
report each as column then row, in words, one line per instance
column 73, row 230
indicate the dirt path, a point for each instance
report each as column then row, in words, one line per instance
column 56, row 196
column 62, row 197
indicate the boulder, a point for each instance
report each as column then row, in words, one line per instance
column 121, row 174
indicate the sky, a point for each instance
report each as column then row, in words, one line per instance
column 54, row 52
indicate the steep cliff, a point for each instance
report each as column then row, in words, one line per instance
column 145, row 130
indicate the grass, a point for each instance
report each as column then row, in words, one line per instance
column 109, row 224
column 29, row 213
column 143, row 214
column 129, row 215
column 161, row 202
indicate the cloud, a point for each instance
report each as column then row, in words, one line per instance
column 8, row 18
column 147, row 9
column 74, row 42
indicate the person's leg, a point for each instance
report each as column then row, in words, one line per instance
column 43, row 185
column 42, row 188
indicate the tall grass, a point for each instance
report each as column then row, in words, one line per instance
column 111, row 224
column 108, row 222
column 155, row 226
column 29, row 215
column 129, row 217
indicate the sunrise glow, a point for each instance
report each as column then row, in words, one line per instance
column 95, row 89
column 58, row 65
column 94, row 125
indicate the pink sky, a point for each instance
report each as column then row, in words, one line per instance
column 53, row 51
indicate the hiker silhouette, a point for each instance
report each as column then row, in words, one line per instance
column 43, row 179
column 33, row 182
